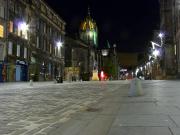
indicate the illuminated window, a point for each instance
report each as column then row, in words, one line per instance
column 18, row 50
column 56, row 51
column 1, row 31
column 2, row 11
column 11, row 26
column 10, row 48
column 37, row 42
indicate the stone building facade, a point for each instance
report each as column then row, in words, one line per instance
column 76, row 59
column 34, row 41
column 177, row 34
column 167, row 26
column 3, row 35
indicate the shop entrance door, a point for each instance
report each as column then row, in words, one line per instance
column 24, row 73
column 18, row 73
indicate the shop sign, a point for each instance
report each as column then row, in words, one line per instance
column 1, row 31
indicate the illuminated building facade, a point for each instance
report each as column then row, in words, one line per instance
column 167, row 26
column 177, row 34
column 2, row 39
column 34, row 41
column 89, row 34
column 89, row 31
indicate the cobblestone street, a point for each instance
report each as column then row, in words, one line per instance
column 89, row 108
column 29, row 110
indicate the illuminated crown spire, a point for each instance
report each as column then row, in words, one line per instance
column 89, row 12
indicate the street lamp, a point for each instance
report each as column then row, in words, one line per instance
column 156, row 53
column 23, row 29
column 23, row 26
column 161, row 35
column 58, row 74
column 59, row 44
column 155, row 44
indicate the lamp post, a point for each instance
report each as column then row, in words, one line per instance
column 161, row 36
column 156, row 52
column 156, row 55
column 59, row 45
column 115, row 62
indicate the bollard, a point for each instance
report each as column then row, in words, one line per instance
column 132, row 88
column 139, row 87
column 135, row 88
column 31, row 82
column 55, row 81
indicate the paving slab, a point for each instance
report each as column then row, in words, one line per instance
column 99, row 126
column 176, row 119
column 148, row 108
column 175, row 131
column 140, row 131
column 143, row 120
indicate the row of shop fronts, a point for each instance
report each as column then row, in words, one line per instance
column 22, row 71
column 13, row 71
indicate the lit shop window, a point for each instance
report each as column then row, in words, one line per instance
column 11, row 26
column 1, row 31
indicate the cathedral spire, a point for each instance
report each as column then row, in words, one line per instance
column 89, row 12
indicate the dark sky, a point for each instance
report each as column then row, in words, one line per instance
column 127, row 23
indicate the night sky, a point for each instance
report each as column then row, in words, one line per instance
column 127, row 23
